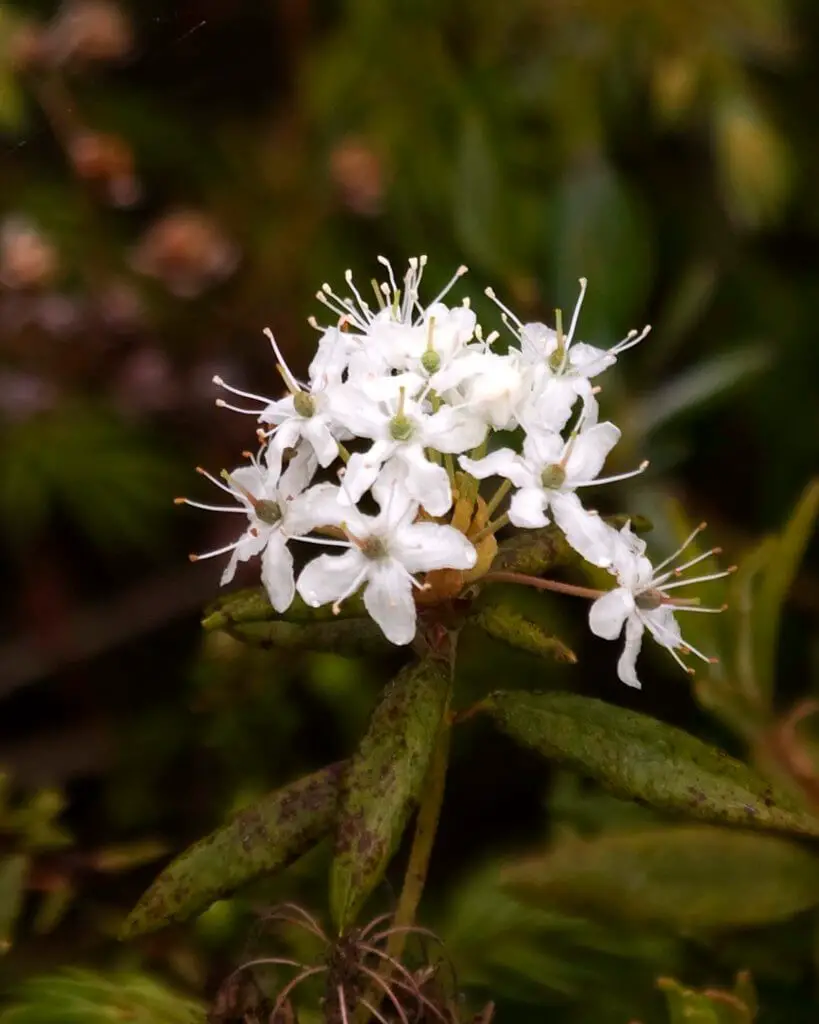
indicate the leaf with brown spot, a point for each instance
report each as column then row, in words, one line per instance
column 383, row 780
column 640, row 758
column 259, row 840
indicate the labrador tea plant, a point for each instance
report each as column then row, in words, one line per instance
column 379, row 459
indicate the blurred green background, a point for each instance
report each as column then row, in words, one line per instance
column 176, row 176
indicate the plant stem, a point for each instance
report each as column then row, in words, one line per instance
column 426, row 825
column 540, row 584
column 497, row 497
column 449, row 463
column 425, row 828
column 491, row 528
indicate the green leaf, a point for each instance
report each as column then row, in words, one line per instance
column 248, row 616
column 86, row 997
column 640, row 758
column 690, row 877
column 382, row 782
column 253, row 606
column 777, row 578
column 512, row 628
column 13, row 873
column 261, row 839
column 709, row 1006
column 480, row 217
column 602, row 233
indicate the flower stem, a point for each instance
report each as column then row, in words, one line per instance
column 449, row 463
column 497, row 497
column 541, row 584
column 491, row 528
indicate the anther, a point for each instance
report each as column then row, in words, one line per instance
column 180, row 501
column 193, row 558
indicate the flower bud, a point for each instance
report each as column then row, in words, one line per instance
column 27, row 258
column 187, row 251
column 90, row 30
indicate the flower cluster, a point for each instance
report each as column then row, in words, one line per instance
column 398, row 410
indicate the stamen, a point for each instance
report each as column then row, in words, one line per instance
column 242, row 394
column 213, row 480
column 220, row 403
column 459, row 273
column 490, row 293
column 386, row 263
column 213, row 554
column 614, row 479
column 681, row 548
column 350, row 591
column 576, row 314
column 699, row 579
column 281, row 364
column 686, row 565
column 697, row 608
column 631, row 339
column 209, row 508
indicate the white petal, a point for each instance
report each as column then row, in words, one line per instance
column 332, row 355
column 425, row 482
column 361, row 471
column 453, row 430
column 627, row 662
column 542, row 448
column 589, row 452
column 318, row 506
column 503, row 462
column 587, row 361
column 422, row 547
column 526, row 509
column 317, row 431
column 388, row 599
column 249, row 544
column 330, row 577
column 249, row 479
column 664, row 627
column 609, row 612
column 277, row 572
column 298, row 473
column 354, row 410
column 588, row 534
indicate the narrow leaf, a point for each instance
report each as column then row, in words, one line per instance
column 261, row 839
column 639, row 758
column 350, row 638
column 690, row 878
column 253, row 605
column 777, row 578
column 13, row 872
column 512, row 628
column 383, row 780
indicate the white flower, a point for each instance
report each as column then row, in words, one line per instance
column 276, row 509
column 402, row 430
column 304, row 413
column 383, row 552
column 554, row 357
column 547, row 474
column 396, row 333
column 641, row 601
